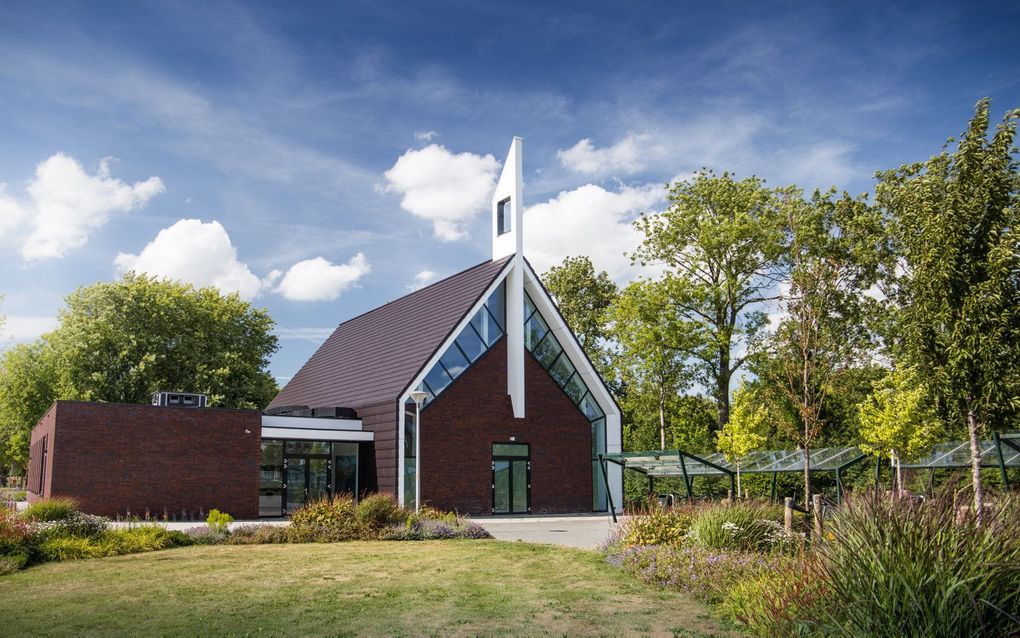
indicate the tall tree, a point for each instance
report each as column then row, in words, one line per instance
column 720, row 240
column 897, row 420
column 583, row 297
column 956, row 221
column 831, row 261
column 121, row 341
column 654, row 346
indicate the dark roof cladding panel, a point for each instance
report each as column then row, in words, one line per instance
column 372, row 357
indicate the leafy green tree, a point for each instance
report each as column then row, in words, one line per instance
column 584, row 297
column 831, row 261
column 653, row 344
column 27, row 388
column 745, row 432
column 956, row 223
column 897, row 420
column 720, row 240
column 121, row 341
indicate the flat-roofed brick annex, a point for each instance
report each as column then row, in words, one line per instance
column 373, row 357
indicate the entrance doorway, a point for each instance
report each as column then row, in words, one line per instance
column 511, row 478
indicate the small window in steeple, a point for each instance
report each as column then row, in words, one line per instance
column 503, row 212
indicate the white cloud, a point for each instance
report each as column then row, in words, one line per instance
column 445, row 188
column 66, row 204
column 11, row 212
column 625, row 157
column 425, row 136
column 197, row 253
column 320, row 280
column 23, row 328
column 589, row 221
column 421, row 280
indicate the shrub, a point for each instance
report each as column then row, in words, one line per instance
column 77, row 524
column 658, row 526
column 60, row 548
column 703, row 573
column 10, row 563
column 789, row 600
column 205, row 535
column 51, row 509
column 15, row 533
column 378, row 511
column 261, row 534
column 421, row 529
column 219, row 521
column 743, row 527
column 923, row 569
column 144, row 538
column 328, row 520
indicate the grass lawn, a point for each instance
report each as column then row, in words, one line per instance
column 395, row 588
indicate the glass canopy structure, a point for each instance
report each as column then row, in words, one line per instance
column 1002, row 451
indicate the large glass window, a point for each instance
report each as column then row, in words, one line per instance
column 410, row 462
column 483, row 330
column 295, row 472
column 543, row 345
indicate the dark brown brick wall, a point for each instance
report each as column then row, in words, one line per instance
column 459, row 428
column 44, row 429
column 113, row 458
column 381, row 418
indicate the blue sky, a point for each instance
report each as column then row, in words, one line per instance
column 322, row 159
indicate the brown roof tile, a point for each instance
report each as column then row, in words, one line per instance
column 372, row 357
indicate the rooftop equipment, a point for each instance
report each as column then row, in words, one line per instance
column 180, row 399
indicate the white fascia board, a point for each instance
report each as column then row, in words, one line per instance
column 310, row 423
column 544, row 304
column 304, row 434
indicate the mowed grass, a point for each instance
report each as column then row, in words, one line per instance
column 438, row 588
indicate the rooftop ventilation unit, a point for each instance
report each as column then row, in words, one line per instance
column 180, row 399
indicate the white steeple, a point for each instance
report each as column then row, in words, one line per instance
column 508, row 239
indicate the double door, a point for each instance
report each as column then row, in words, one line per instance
column 306, row 479
column 511, row 478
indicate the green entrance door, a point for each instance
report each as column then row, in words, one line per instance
column 511, row 478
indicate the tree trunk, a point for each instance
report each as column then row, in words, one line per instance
column 807, row 476
column 662, row 420
column 975, row 465
column 723, row 386
column 738, row 481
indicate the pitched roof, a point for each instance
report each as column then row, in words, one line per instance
column 372, row 357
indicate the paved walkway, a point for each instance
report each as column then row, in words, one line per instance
column 584, row 532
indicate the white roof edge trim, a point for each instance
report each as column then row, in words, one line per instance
column 310, row 422
column 302, row 434
column 544, row 304
column 443, row 347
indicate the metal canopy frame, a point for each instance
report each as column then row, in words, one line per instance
column 1002, row 452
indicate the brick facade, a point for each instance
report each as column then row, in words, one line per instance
column 116, row 458
column 460, row 426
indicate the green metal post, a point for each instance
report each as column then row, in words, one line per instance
column 687, row 480
column 609, row 492
column 931, row 482
column 1002, row 460
column 775, row 476
column 733, row 485
column 839, row 487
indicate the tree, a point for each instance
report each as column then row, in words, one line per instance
column 956, row 223
column 720, row 240
column 897, row 420
column 653, row 346
column 121, row 341
column 583, row 297
column 745, row 432
column 831, row 260
column 27, row 383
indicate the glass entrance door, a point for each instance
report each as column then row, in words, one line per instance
column 307, row 468
column 511, row 478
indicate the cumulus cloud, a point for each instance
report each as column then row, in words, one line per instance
column 425, row 136
column 11, row 212
column 421, row 280
column 445, row 188
column 625, row 157
column 319, row 279
column 592, row 221
column 66, row 203
column 197, row 253
column 25, row 328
